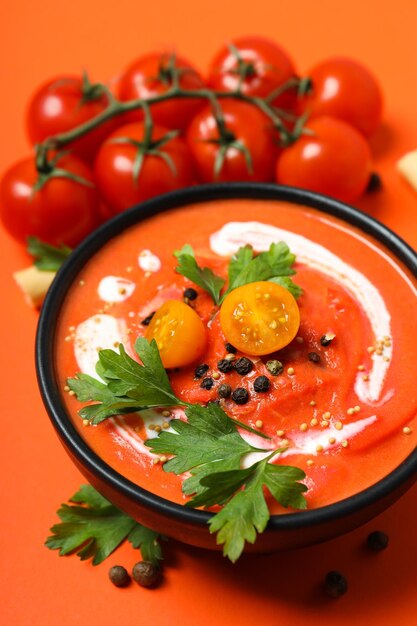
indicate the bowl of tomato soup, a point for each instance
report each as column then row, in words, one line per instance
column 338, row 401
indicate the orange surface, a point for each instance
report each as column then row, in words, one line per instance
column 39, row 40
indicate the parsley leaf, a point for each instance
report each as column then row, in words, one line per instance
column 207, row 442
column 47, row 257
column 246, row 512
column 128, row 386
column 96, row 528
column 274, row 264
column 211, row 449
column 204, row 277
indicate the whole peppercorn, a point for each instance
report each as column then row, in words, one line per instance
column 148, row 319
column 314, row 357
column 119, row 576
column 335, row 584
column 147, row 574
column 261, row 384
column 207, row 383
column 243, row 365
column 374, row 183
column 240, row 395
column 190, row 293
column 201, row 370
column 327, row 339
column 224, row 391
column 377, row 541
column 229, row 348
column 274, row 367
column 225, row 365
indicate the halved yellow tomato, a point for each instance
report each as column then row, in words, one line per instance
column 260, row 318
column 179, row 333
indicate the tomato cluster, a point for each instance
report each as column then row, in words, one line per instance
column 164, row 127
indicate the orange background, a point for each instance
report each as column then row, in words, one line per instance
column 41, row 39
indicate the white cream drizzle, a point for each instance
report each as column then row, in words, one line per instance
column 306, row 443
column 115, row 289
column 149, row 262
column 98, row 332
column 233, row 235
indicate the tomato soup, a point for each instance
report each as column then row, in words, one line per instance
column 343, row 404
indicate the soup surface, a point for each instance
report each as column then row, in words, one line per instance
column 348, row 414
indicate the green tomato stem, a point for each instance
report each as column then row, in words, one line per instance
column 116, row 108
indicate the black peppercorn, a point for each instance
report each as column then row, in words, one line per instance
column 314, row 357
column 326, row 340
column 261, row 384
column 207, row 383
column 229, row 348
column 119, row 576
column 201, row 370
column 274, row 367
column 240, row 396
column 377, row 541
column 224, row 391
column 225, row 365
column 243, row 365
column 374, row 183
column 190, row 293
column 147, row 574
column 148, row 319
column 335, row 584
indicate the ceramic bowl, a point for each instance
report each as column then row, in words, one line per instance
column 182, row 523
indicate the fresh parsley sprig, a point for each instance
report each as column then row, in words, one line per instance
column 209, row 446
column 129, row 387
column 93, row 528
column 204, row 277
column 275, row 264
column 47, row 257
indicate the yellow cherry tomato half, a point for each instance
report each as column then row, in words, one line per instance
column 260, row 318
column 179, row 333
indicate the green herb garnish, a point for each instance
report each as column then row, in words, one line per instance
column 208, row 445
column 47, row 257
column 274, row 265
column 93, row 528
column 129, row 387
column 204, row 277
column 211, row 449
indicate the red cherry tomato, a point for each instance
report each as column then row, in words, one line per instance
column 114, row 167
column 63, row 211
column 250, row 128
column 150, row 76
column 345, row 89
column 255, row 65
column 62, row 104
column 335, row 160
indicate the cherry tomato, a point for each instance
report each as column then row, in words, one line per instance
column 178, row 332
column 62, row 104
column 152, row 75
column 63, row 211
column 345, row 89
column 335, row 160
column 255, row 65
column 260, row 318
column 114, row 167
column 250, row 128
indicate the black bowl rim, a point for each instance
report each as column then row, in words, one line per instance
column 45, row 340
